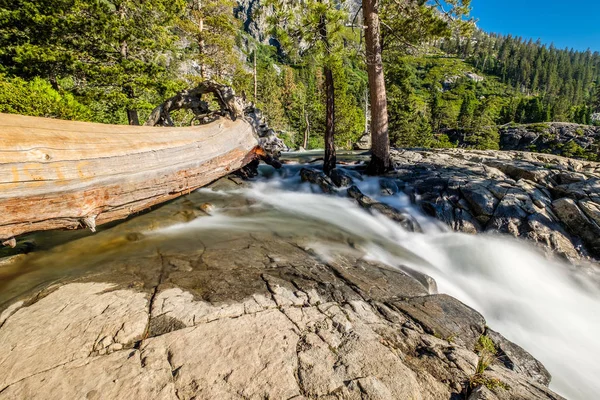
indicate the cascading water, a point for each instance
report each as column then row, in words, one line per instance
column 548, row 307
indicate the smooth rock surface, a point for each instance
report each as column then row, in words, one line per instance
column 229, row 314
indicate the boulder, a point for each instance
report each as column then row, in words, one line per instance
column 364, row 143
column 578, row 223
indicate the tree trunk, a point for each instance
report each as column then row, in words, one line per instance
column 255, row 81
column 229, row 104
column 132, row 117
column 58, row 174
column 132, row 114
column 330, row 157
column 201, row 48
column 367, row 111
column 306, row 131
column 380, row 149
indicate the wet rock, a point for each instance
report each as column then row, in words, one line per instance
column 591, row 209
column 207, row 208
column 546, row 232
column 340, row 178
column 513, row 193
column 388, row 187
column 481, row 201
column 517, row 359
column 318, row 178
column 406, row 220
column 465, row 222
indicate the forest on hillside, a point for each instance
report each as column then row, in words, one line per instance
column 113, row 61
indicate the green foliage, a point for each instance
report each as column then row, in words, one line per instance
column 484, row 343
column 486, row 138
column 487, row 354
column 212, row 29
column 540, row 128
column 572, row 150
column 491, row 383
column 114, row 52
column 551, row 84
column 38, row 98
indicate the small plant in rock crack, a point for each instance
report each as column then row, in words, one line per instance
column 487, row 354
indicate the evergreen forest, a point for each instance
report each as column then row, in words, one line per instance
column 113, row 61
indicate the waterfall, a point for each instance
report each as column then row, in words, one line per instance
column 548, row 307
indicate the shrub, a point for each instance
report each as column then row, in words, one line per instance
column 572, row 149
column 487, row 354
column 38, row 98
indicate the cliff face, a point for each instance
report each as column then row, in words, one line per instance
column 254, row 15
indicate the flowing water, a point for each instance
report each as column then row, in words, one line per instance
column 548, row 307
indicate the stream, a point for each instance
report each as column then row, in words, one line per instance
column 548, row 307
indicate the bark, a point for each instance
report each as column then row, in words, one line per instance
column 192, row 100
column 380, row 149
column 330, row 156
column 132, row 114
column 132, row 117
column 306, row 131
column 255, row 81
column 201, row 48
column 62, row 174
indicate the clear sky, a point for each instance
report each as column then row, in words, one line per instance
column 574, row 23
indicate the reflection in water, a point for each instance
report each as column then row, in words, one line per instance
column 547, row 307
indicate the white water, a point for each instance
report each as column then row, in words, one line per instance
column 549, row 308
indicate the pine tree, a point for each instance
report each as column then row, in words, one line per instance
column 114, row 49
column 425, row 21
column 212, row 27
column 596, row 98
column 435, row 108
column 316, row 23
column 467, row 107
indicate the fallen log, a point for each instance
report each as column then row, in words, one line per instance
column 58, row 174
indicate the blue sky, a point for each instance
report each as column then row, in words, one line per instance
column 574, row 23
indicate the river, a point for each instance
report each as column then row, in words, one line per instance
column 548, row 307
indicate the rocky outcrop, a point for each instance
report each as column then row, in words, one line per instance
column 558, row 138
column 555, row 138
column 551, row 200
column 238, row 314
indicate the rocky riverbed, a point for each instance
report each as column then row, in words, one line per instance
column 551, row 200
column 148, row 310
